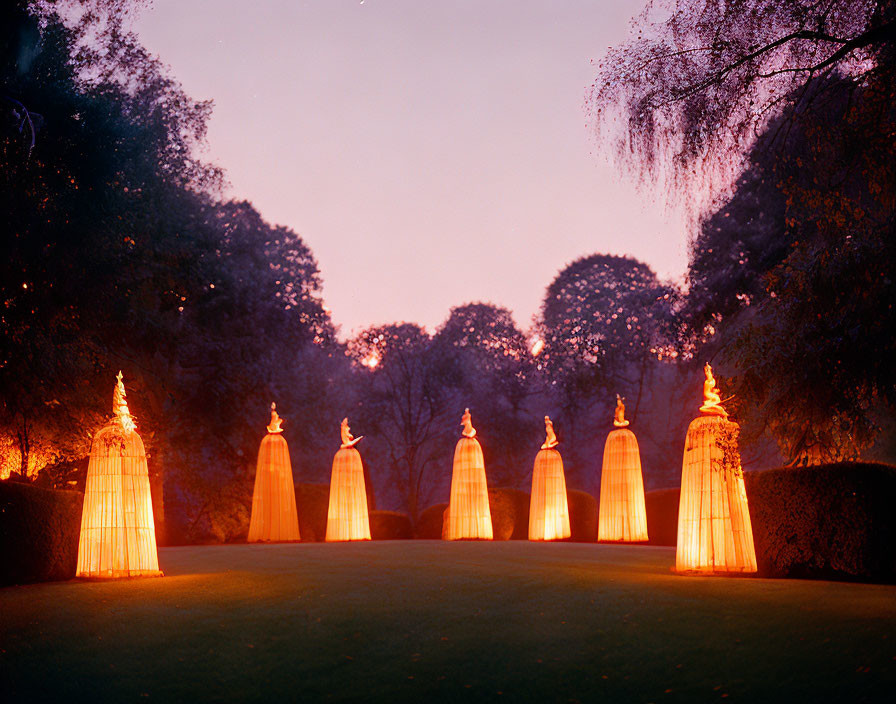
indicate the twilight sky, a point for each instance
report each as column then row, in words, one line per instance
column 429, row 153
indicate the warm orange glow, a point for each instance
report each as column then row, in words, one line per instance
column 623, row 516
column 118, row 537
column 347, row 517
column 469, row 516
column 537, row 347
column 714, row 529
column 548, row 508
column 274, row 516
column 372, row 360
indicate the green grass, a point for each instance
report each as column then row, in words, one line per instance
column 430, row 621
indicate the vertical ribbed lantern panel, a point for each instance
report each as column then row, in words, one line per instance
column 118, row 536
column 274, row 516
column 623, row 516
column 347, row 517
column 714, row 530
column 469, row 517
column 548, row 508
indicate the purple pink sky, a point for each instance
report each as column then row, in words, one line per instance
column 429, row 153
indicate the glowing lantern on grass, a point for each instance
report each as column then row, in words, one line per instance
column 118, row 536
column 714, row 530
column 469, row 517
column 548, row 509
column 623, row 516
column 274, row 516
column 347, row 517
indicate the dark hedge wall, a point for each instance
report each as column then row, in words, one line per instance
column 39, row 530
column 662, row 516
column 828, row 521
column 582, row 516
column 312, row 502
column 390, row 525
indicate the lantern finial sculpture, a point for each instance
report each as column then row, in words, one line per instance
column 347, row 516
column 714, row 529
column 469, row 516
column 118, row 536
column 274, row 516
column 548, row 507
column 622, row 516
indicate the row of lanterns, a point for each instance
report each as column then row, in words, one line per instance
column 714, row 531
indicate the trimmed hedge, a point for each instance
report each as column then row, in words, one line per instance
column 312, row 503
column 521, row 501
column 39, row 530
column 582, row 516
column 430, row 521
column 502, row 506
column 390, row 525
column 662, row 516
column 834, row 521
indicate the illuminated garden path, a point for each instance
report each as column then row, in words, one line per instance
column 430, row 621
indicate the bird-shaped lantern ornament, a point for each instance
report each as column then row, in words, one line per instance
column 714, row 530
column 469, row 516
column 274, row 516
column 118, row 535
column 347, row 515
column 548, row 506
column 622, row 516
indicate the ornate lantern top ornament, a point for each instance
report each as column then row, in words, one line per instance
column 120, row 406
column 276, row 420
column 619, row 414
column 712, row 400
column 467, row 421
column 551, row 439
column 348, row 440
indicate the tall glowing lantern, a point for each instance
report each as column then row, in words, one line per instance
column 118, row 536
column 623, row 516
column 469, row 517
column 274, row 517
column 714, row 530
column 548, row 508
column 347, row 517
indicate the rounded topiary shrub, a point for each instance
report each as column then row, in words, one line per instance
column 430, row 522
column 662, row 516
column 312, row 502
column 502, row 506
column 521, row 501
column 390, row 525
column 39, row 531
column 582, row 516
column 826, row 521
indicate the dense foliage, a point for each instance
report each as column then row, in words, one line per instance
column 791, row 278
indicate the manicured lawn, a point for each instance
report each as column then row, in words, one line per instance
column 430, row 621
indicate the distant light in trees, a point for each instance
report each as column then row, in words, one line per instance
column 538, row 347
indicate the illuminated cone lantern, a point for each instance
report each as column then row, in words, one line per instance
column 274, row 517
column 469, row 517
column 623, row 517
column 118, row 537
column 347, row 517
column 548, row 510
column 714, row 531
